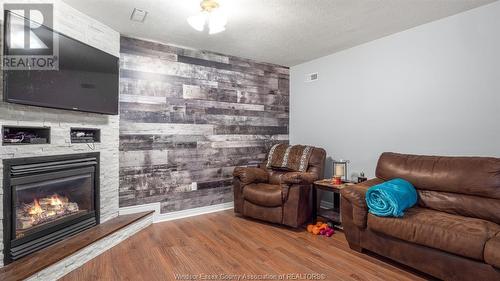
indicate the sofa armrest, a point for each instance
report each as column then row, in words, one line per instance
column 492, row 251
column 355, row 195
column 301, row 178
column 248, row 175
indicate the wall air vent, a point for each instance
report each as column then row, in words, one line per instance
column 138, row 15
column 311, row 77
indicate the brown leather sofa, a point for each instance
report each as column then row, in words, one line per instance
column 453, row 232
column 275, row 195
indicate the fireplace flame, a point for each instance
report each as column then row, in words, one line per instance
column 36, row 209
column 44, row 209
column 55, row 200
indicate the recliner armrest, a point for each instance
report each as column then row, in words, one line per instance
column 248, row 175
column 298, row 178
column 355, row 194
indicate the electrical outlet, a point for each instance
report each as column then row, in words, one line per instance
column 138, row 15
column 194, row 186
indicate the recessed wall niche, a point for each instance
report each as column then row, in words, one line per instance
column 17, row 135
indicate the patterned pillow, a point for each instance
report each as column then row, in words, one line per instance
column 289, row 157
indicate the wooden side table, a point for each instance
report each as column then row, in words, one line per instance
column 331, row 214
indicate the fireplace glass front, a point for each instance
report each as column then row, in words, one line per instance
column 42, row 204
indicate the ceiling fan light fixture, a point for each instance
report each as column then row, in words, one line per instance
column 216, row 22
column 210, row 15
column 216, row 29
column 198, row 21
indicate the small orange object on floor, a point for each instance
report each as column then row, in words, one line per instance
column 320, row 228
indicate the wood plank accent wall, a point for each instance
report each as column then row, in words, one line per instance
column 188, row 117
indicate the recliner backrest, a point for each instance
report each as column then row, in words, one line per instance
column 316, row 165
column 317, row 162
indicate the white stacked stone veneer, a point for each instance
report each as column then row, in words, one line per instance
column 83, row 28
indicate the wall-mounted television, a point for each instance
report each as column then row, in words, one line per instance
column 86, row 79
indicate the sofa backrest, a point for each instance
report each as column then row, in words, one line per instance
column 468, row 186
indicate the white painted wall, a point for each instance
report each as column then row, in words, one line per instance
column 433, row 89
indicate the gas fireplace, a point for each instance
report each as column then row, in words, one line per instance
column 47, row 199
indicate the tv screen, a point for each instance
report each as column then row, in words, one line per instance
column 86, row 79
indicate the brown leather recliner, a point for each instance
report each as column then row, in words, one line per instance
column 453, row 233
column 277, row 196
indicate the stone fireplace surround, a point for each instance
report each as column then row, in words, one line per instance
column 60, row 122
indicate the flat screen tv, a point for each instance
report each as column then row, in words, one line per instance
column 87, row 78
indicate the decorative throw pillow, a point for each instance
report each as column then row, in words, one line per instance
column 287, row 157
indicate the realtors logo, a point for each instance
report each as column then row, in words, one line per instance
column 30, row 43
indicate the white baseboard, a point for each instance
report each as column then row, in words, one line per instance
column 159, row 217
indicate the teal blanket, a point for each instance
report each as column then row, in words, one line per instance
column 391, row 198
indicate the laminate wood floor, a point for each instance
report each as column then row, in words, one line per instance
column 31, row 264
column 222, row 243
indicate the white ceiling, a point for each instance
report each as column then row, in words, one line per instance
column 285, row 32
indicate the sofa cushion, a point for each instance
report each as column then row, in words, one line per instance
column 492, row 251
column 461, row 204
column 450, row 233
column 268, row 195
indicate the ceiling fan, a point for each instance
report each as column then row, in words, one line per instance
column 212, row 15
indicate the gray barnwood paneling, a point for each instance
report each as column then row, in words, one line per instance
column 189, row 116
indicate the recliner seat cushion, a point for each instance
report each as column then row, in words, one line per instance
column 450, row 233
column 268, row 195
